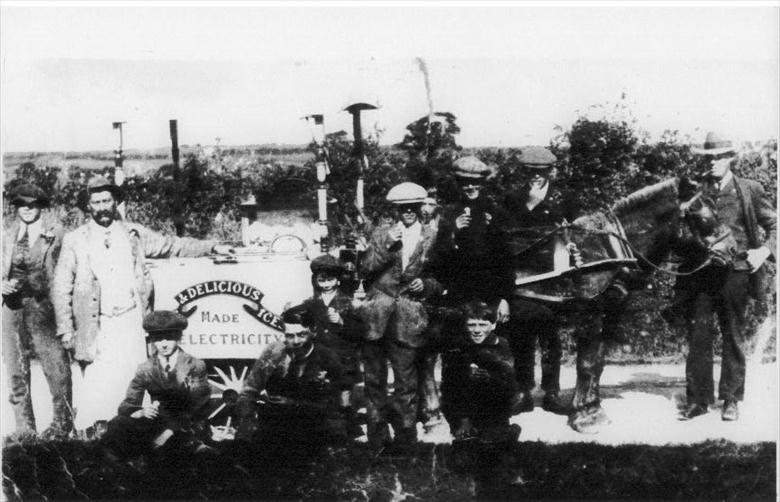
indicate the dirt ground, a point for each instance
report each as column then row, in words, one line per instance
column 641, row 400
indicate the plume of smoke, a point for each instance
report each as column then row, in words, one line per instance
column 424, row 69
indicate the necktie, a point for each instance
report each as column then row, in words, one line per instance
column 107, row 240
column 24, row 240
column 168, row 365
column 22, row 254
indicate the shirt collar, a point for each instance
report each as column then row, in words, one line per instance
column 724, row 181
column 415, row 228
column 171, row 359
column 34, row 229
column 93, row 225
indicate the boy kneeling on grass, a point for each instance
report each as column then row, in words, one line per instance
column 478, row 381
column 290, row 398
column 178, row 386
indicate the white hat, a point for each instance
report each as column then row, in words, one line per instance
column 407, row 193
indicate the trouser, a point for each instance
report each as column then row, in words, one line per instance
column 128, row 436
column 400, row 410
column 29, row 330
column 483, row 405
column 428, row 405
column 728, row 298
column 528, row 322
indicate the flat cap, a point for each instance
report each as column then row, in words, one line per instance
column 101, row 184
column 470, row 167
column 537, row 157
column 326, row 263
column 27, row 193
column 164, row 321
column 407, row 193
column 298, row 314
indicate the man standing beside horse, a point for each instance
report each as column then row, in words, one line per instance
column 743, row 206
column 535, row 209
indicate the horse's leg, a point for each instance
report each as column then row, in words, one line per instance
column 588, row 416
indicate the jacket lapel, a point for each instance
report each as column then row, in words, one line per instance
column 8, row 246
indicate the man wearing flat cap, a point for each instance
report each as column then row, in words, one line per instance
column 101, row 290
column 470, row 243
column 534, row 209
column 292, row 392
column 30, row 249
column 179, row 393
column 399, row 282
column 743, row 205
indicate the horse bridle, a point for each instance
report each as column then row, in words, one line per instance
column 686, row 209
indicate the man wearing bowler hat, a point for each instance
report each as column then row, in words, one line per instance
column 101, row 290
column 534, row 209
column 179, row 394
column 31, row 245
column 743, row 205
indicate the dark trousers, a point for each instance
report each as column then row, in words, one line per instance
column 400, row 411
column 132, row 436
column 28, row 330
column 528, row 322
column 428, row 402
column 727, row 297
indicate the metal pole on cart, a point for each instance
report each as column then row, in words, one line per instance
column 178, row 216
column 317, row 126
column 359, row 151
column 359, row 154
column 119, row 172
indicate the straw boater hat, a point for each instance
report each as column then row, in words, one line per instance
column 407, row 193
column 537, row 157
column 714, row 145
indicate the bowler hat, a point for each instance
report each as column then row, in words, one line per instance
column 470, row 168
column 537, row 157
column 164, row 322
column 407, row 193
column 101, row 184
column 714, row 145
column 326, row 263
column 27, row 193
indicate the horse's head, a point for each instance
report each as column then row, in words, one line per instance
column 681, row 212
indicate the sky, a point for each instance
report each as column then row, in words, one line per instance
column 511, row 73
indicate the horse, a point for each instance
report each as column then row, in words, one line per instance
column 590, row 264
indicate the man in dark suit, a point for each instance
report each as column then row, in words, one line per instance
column 31, row 246
column 399, row 283
column 745, row 208
column 534, row 209
column 179, row 390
